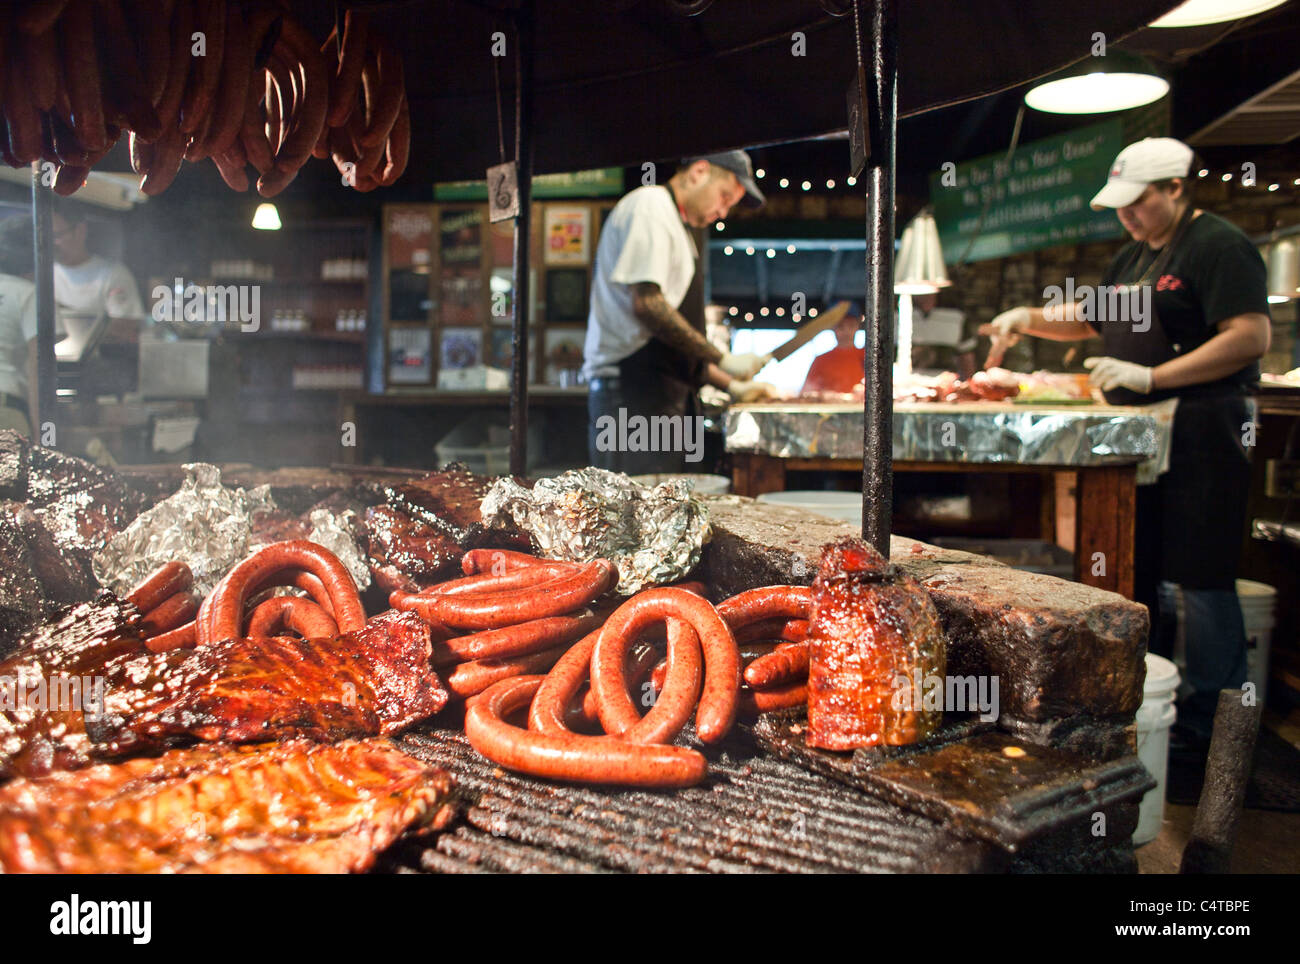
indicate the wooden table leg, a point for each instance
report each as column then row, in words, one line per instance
column 1106, row 502
column 739, row 473
column 753, row 475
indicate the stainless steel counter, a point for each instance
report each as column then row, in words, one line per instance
column 976, row 432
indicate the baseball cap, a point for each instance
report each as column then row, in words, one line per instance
column 739, row 164
column 1150, row 159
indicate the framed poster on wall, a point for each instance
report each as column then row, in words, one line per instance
column 567, row 234
column 460, row 237
column 566, row 295
column 409, row 356
column 409, row 233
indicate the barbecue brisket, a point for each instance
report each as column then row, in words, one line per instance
column 296, row 807
column 375, row 681
column 874, row 640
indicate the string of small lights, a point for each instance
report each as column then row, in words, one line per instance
column 1232, row 175
column 1246, row 180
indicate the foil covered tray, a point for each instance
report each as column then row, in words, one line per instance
column 654, row 534
column 209, row 526
column 979, row 432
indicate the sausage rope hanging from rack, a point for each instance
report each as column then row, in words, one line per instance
column 238, row 82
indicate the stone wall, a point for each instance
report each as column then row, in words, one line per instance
column 1069, row 658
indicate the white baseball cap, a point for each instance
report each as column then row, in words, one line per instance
column 1150, row 159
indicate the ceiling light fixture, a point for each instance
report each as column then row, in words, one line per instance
column 266, row 217
column 918, row 270
column 1196, row 13
column 1096, row 85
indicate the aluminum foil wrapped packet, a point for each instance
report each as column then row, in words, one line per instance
column 337, row 532
column 654, row 535
column 204, row 524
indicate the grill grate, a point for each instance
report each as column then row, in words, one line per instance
column 754, row 814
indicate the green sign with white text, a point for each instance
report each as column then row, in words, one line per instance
column 598, row 182
column 1037, row 201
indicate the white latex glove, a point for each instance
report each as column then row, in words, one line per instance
column 743, row 366
column 743, row 391
column 1108, row 373
column 1010, row 323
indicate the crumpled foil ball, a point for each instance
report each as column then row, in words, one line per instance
column 654, row 535
column 208, row 526
column 337, row 532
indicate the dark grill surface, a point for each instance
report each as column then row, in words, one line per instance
column 753, row 814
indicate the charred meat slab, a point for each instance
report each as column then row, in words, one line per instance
column 295, row 807
column 56, row 678
column 372, row 682
column 874, row 641
column 404, row 553
column 38, row 574
column 375, row 681
column 80, row 503
column 448, row 502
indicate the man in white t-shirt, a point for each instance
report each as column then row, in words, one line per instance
column 17, row 325
column 88, row 284
column 642, row 357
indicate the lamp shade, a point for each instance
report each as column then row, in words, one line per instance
column 266, row 217
column 1283, row 260
column 919, row 269
column 1195, row 13
column 1117, row 81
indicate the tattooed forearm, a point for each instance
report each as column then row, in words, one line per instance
column 668, row 325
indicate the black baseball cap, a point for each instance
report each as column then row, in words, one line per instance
column 739, row 164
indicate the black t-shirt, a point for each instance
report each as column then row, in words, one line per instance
column 1212, row 274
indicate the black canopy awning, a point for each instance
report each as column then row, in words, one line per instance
column 619, row 82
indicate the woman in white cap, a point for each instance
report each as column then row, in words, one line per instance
column 1211, row 325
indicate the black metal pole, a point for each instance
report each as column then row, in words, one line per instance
column 881, row 43
column 43, row 242
column 524, row 37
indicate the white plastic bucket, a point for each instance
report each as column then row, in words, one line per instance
column 1257, row 611
column 845, row 506
column 1154, row 718
column 705, row 484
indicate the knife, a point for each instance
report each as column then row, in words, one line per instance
column 811, row 329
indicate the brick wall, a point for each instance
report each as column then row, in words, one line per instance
column 984, row 288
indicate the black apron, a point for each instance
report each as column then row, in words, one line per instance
column 1151, row 347
column 1191, row 521
column 662, row 377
